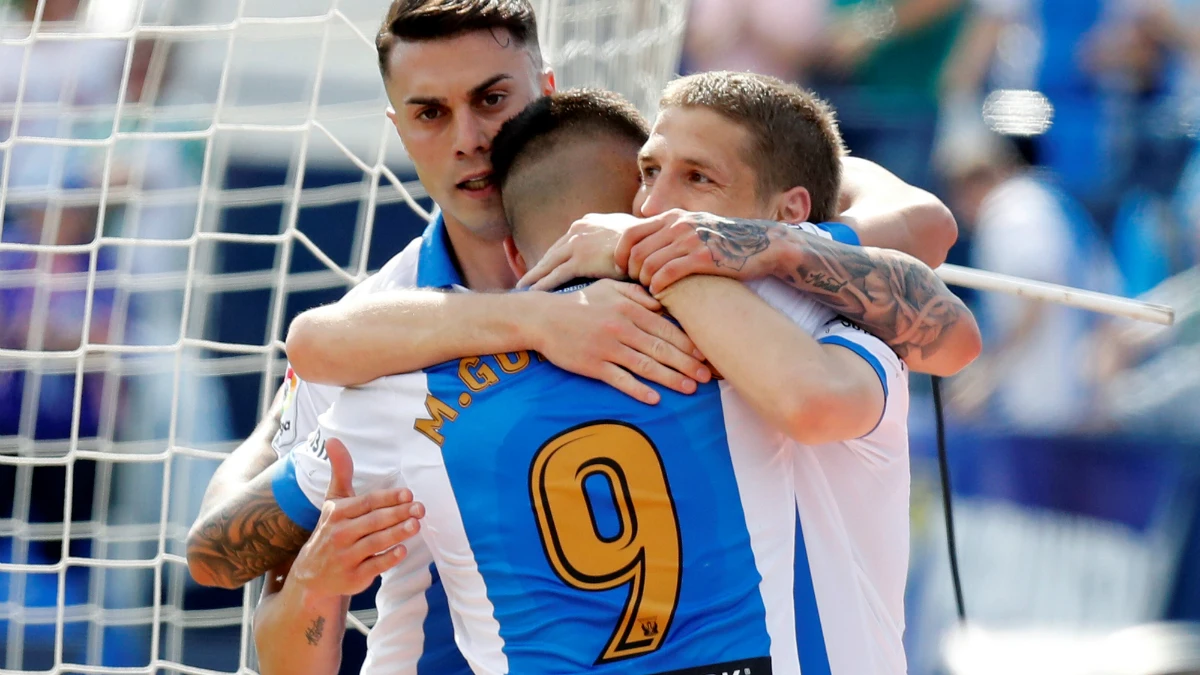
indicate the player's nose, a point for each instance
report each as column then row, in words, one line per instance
column 657, row 200
column 470, row 135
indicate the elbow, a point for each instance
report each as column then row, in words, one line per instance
column 809, row 420
column 966, row 346
column 198, row 559
column 937, row 230
column 303, row 348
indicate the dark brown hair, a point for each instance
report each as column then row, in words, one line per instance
column 546, row 122
column 794, row 139
column 440, row 19
column 552, row 123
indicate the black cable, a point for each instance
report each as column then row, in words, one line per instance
column 944, row 466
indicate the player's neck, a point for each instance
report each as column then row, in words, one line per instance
column 482, row 261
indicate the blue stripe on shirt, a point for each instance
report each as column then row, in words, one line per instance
column 841, row 233
column 810, row 636
column 863, row 352
column 291, row 498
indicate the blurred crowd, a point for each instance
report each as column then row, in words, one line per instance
column 1063, row 133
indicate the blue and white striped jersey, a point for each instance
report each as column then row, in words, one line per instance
column 524, row 597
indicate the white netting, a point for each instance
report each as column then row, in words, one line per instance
column 178, row 178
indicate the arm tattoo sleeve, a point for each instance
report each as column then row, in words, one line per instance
column 247, row 537
column 893, row 295
column 889, row 293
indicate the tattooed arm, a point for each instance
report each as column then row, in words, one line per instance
column 248, row 460
column 242, row 537
column 250, row 534
column 889, row 293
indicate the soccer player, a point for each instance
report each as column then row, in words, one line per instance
column 852, row 495
column 573, row 527
column 435, row 56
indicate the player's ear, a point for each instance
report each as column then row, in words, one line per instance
column 516, row 261
column 547, row 81
column 391, row 115
column 793, row 206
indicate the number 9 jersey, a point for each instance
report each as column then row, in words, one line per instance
column 577, row 530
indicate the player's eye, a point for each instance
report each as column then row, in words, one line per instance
column 429, row 114
column 697, row 177
column 493, row 99
column 648, row 174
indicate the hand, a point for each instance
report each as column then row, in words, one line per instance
column 357, row 538
column 586, row 250
column 666, row 248
column 612, row 329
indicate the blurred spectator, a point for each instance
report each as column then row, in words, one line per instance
column 50, row 81
column 772, row 37
column 879, row 63
column 1035, row 370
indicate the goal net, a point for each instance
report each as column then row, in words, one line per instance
column 178, row 179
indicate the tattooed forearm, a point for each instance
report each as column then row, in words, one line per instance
column 891, row 294
column 314, row 632
column 244, row 538
column 732, row 241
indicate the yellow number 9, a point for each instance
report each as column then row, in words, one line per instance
column 645, row 552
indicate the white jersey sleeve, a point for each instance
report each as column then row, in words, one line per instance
column 306, row 401
column 362, row 419
column 892, row 372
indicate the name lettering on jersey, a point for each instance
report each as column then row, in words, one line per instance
column 476, row 375
column 513, row 363
column 439, row 414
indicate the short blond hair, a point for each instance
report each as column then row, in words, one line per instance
column 795, row 140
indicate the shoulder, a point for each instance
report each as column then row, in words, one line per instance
column 399, row 272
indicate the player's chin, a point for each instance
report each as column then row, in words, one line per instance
column 484, row 219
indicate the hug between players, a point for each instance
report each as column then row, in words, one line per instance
column 689, row 451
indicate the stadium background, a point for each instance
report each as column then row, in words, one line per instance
column 1075, row 528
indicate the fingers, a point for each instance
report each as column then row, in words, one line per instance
column 655, row 261
column 378, row 564
column 385, row 538
column 673, row 271
column 620, row 379
column 636, row 361
column 341, row 467
column 354, row 507
column 631, row 238
column 668, row 345
column 558, row 254
column 553, row 279
column 639, row 295
column 646, row 247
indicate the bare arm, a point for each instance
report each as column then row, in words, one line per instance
column 890, row 294
column 886, row 212
column 359, row 340
column 298, row 632
column 242, row 537
column 815, row 393
column 246, row 462
column 605, row 332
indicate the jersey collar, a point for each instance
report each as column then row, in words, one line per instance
column 435, row 263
